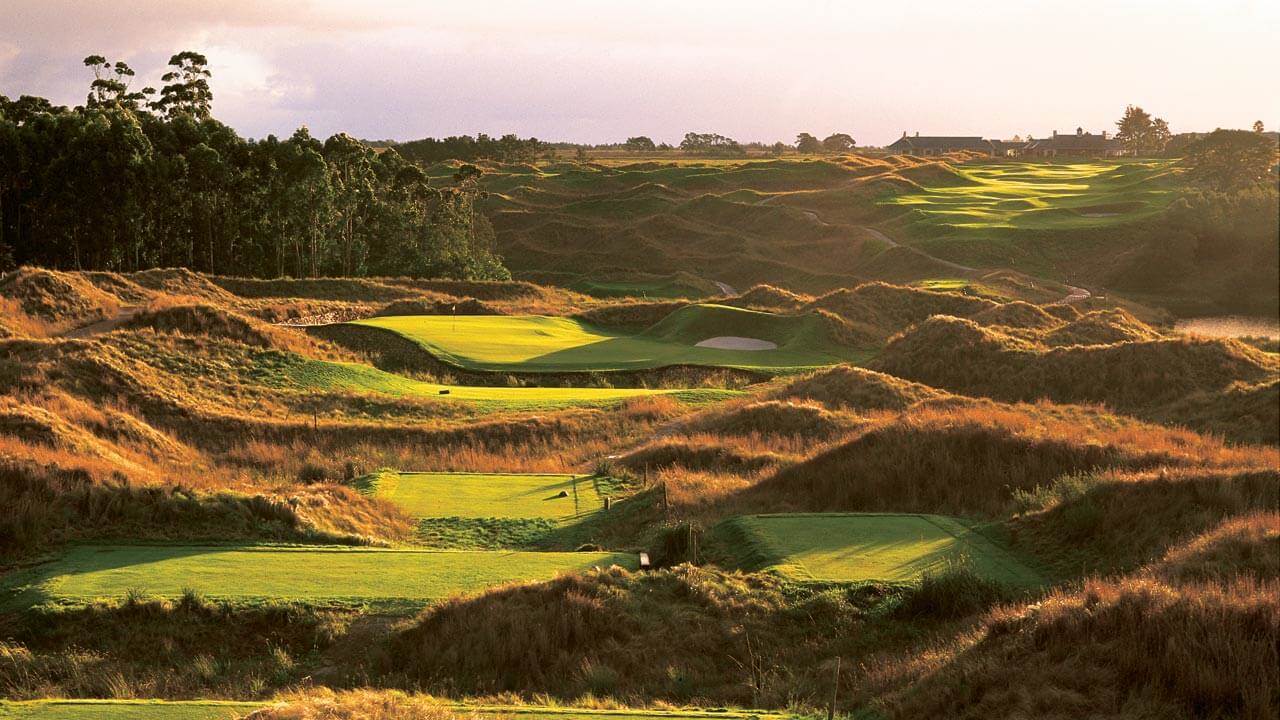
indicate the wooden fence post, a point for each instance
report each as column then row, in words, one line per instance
column 835, row 689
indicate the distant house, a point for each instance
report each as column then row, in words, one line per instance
column 1009, row 148
column 937, row 145
column 1082, row 144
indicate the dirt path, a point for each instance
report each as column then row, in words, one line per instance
column 122, row 316
column 1075, row 295
column 725, row 288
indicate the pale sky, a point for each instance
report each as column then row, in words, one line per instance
column 600, row 71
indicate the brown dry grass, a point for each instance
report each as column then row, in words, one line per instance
column 1133, row 648
column 325, row 704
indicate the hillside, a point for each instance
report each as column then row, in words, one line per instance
column 941, row 485
column 678, row 229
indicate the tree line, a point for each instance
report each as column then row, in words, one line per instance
column 138, row 179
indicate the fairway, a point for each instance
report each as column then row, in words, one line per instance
column 224, row 710
column 244, row 573
column 874, row 547
column 488, row 495
column 352, row 377
column 537, row 343
column 125, row 710
column 1043, row 195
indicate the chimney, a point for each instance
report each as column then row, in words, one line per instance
column 1055, row 133
column 904, row 133
column 1104, row 134
column 917, row 133
column 1079, row 131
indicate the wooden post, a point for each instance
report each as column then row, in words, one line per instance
column 835, row 689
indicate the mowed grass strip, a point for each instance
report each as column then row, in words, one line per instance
column 488, row 495
column 257, row 573
column 872, row 547
column 538, row 343
column 125, row 710
column 227, row 710
column 353, row 377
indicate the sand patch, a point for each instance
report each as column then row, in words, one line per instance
column 732, row 342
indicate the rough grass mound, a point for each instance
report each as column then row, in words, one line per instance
column 1101, row 327
column 975, row 459
column 630, row 315
column 438, row 305
column 773, row 417
column 62, row 299
column 768, row 297
column 855, row 388
column 1017, row 314
column 1126, row 648
column 657, row 636
column 193, row 317
column 964, row 357
column 182, row 282
column 881, row 309
column 696, row 456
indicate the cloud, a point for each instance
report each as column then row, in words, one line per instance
column 599, row 71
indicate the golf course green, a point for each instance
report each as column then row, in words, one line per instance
column 875, row 547
column 487, row 495
column 1042, row 195
column 125, row 710
column 308, row 374
column 256, row 573
column 538, row 343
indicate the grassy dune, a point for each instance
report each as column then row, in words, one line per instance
column 87, row 573
column 557, row 344
column 875, row 548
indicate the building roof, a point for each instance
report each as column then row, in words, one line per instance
column 1076, row 141
column 939, row 142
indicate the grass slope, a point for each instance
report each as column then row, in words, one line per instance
column 1041, row 196
column 862, row 547
column 557, row 344
column 247, row 573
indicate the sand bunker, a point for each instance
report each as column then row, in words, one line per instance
column 730, row 342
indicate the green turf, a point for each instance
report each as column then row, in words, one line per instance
column 251, row 574
column 124, row 710
column 220, row 710
column 353, row 377
column 488, row 495
column 1042, row 195
column 874, row 547
column 557, row 344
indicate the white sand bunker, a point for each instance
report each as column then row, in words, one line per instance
column 731, row 342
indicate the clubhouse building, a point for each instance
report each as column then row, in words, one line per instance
column 1081, row 144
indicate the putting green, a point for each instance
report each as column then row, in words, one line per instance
column 256, row 573
column 222, row 710
column 1043, row 195
column 876, row 547
column 537, row 343
column 487, row 495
